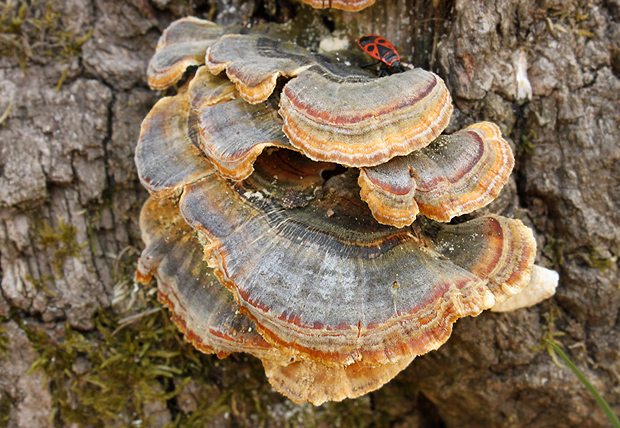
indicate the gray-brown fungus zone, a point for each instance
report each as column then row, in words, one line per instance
column 434, row 180
column 267, row 254
column 454, row 175
column 329, row 282
column 210, row 318
column 334, row 112
column 183, row 44
column 167, row 154
column 287, row 262
column 203, row 309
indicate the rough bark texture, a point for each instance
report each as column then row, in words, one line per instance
column 69, row 203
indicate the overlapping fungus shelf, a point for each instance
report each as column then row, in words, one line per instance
column 203, row 309
column 336, row 242
column 234, row 133
column 333, row 112
column 328, row 281
column 182, row 44
column 364, row 123
column 454, row 175
column 167, row 156
column 317, row 383
column 210, row 319
column 207, row 89
column 323, row 272
column 254, row 63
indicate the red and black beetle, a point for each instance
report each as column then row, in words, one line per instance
column 379, row 48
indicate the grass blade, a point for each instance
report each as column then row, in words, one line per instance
column 599, row 399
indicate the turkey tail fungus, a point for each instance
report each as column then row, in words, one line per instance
column 300, row 208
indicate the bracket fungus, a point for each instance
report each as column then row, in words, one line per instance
column 210, row 319
column 182, row 44
column 314, row 258
column 234, row 133
column 455, row 175
column 377, row 294
column 333, row 112
column 254, row 63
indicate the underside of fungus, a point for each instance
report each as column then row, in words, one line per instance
column 299, row 208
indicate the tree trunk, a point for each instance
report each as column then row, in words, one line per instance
column 71, row 104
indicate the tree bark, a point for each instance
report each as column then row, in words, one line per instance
column 70, row 199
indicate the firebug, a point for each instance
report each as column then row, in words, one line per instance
column 379, row 48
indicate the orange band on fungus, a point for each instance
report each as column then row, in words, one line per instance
column 273, row 260
column 454, row 175
column 364, row 123
column 183, row 44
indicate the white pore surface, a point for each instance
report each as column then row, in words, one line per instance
column 542, row 285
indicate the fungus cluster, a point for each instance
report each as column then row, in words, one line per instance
column 299, row 211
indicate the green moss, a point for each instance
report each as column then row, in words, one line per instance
column 12, row 17
column 109, row 374
column 203, row 414
column 41, row 283
column 6, row 113
column 554, row 250
column 594, row 259
column 4, row 342
column 32, row 31
column 62, row 240
column 551, row 334
column 527, row 143
column 570, row 21
column 5, row 408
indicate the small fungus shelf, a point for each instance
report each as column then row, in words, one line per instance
column 299, row 212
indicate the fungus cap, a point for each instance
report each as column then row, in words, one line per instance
column 327, row 280
column 334, row 112
column 234, row 133
column 454, row 175
column 358, row 121
column 206, row 89
column 314, row 382
column 204, row 310
column 254, row 63
column 167, row 156
column 182, row 44
column 210, row 319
